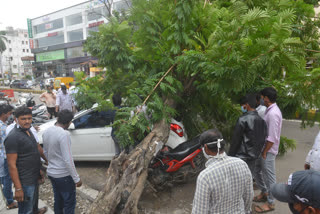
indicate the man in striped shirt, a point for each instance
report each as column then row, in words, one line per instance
column 225, row 186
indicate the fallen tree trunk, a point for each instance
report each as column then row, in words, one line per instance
column 127, row 175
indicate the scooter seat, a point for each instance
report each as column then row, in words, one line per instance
column 184, row 149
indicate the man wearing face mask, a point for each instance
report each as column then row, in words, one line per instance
column 64, row 100
column 261, row 109
column 249, row 135
column 24, row 160
column 265, row 175
column 225, row 186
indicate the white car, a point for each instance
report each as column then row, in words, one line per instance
column 91, row 137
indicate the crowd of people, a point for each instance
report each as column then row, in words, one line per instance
column 21, row 158
column 227, row 184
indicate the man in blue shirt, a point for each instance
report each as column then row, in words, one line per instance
column 5, row 112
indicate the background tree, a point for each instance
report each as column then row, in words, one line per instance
column 193, row 60
column 2, row 48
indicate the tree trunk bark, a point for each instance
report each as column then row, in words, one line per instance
column 127, row 175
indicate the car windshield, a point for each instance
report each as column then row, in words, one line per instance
column 94, row 119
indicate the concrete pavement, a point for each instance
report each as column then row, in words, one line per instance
column 15, row 211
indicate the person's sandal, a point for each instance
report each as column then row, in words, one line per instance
column 263, row 210
column 260, row 198
column 13, row 205
column 42, row 210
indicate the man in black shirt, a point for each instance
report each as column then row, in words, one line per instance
column 249, row 134
column 24, row 160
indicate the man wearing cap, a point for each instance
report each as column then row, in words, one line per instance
column 64, row 100
column 302, row 192
column 225, row 186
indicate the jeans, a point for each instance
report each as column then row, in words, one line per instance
column 64, row 190
column 265, row 175
column 7, row 184
column 251, row 165
column 36, row 199
column 26, row 207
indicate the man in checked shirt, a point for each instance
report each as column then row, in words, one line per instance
column 225, row 186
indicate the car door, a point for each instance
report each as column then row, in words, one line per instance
column 91, row 138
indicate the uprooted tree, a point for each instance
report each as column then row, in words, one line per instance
column 192, row 60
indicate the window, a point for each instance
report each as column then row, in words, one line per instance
column 74, row 19
column 94, row 119
column 23, row 42
column 26, row 42
column 50, row 40
column 14, row 66
column 25, row 35
column 10, row 49
column 75, row 52
column 49, row 26
column 92, row 29
column 9, row 41
column 94, row 14
column 27, row 50
column 122, row 5
column 75, row 35
column 11, row 58
column 23, row 50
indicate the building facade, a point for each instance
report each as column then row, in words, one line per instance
column 17, row 45
column 57, row 38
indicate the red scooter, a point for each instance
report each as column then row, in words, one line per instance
column 178, row 165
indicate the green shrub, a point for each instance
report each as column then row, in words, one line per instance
column 286, row 144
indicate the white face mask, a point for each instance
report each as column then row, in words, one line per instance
column 216, row 156
column 205, row 154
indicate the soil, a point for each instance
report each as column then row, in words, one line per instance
column 46, row 194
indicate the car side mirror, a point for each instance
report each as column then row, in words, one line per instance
column 72, row 127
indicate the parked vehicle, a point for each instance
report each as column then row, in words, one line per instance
column 19, row 84
column 178, row 165
column 4, row 99
column 6, row 82
column 26, row 99
column 65, row 80
column 90, row 133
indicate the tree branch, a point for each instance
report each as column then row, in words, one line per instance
column 155, row 87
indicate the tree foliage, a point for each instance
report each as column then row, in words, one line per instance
column 218, row 50
column 2, row 41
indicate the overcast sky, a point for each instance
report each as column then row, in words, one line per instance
column 15, row 13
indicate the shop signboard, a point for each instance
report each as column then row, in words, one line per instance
column 95, row 24
column 31, row 44
column 52, row 34
column 30, row 28
column 49, row 56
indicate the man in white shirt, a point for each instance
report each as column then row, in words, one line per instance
column 64, row 100
column 313, row 157
column 261, row 108
column 61, row 170
column 225, row 186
